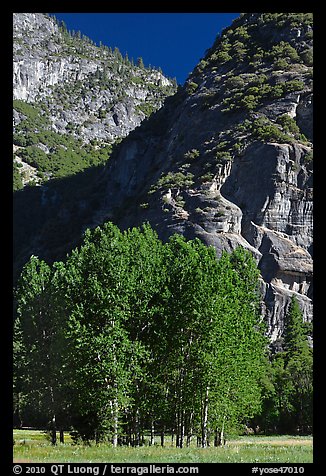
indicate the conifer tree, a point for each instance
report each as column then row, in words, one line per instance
column 298, row 365
column 295, row 333
column 289, row 406
column 140, row 62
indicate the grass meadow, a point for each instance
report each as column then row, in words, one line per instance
column 33, row 446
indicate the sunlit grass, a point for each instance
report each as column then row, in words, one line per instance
column 33, row 446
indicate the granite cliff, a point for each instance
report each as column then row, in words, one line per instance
column 65, row 85
column 231, row 162
column 227, row 159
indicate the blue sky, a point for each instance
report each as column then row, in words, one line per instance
column 173, row 41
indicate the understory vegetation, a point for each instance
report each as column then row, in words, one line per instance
column 54, row 155
column 34, row 446
column 130, row 336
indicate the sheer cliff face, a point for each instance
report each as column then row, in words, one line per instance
column 44, row 58
column 229, row 158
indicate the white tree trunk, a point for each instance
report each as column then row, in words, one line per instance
column 152, row 440
column 205, row 419
column 222, row 432
column 115, row 423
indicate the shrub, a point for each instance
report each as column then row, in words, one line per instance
column 293, row 85
column 288, row 124
column 249, row 102
column 265, row 89
column 237, row 147
column 280, row 64
column 36, row 157
column 253, row 90
column 309, row 34
column 202, row 65
column 241, row 33
column 235, row 82
column 222, row 156
column 239, row 51
column 191, row 87
column 284, row 50
column 17, row 179
column 263, row 129
column 309, row 157
column 19, row 139
column 258, row 55
column 307, row 56
column 192, row 154
column 173, row 180
column 276, row 91
column 102, row 113
column 223, row 57
column 146, row 108
column 179, row 201
column 206, row 177
column 222, row 145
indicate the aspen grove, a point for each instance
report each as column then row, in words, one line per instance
column 131, row 337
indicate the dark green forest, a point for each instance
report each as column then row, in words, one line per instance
column 131, row 337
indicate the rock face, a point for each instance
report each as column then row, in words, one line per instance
column 232, row 176
column 87, row 92
column 227, row 159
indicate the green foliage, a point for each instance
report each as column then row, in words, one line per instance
column 192, row 154
column 174, row 180
column 222, row 57
column 255, row 42
column 136, row 322
column 34, row 117
column 295, row 334
column 284, row 50
column 239, row 51
column 288, row 124
column 285, row 130
column 293, row 85
column 66, row 155
column 281, row 64
column 222, row 156
column 118, row 333
column 137, row 80
column 146, row 107
column 206, row 177
column 309, row 157
column 191, row 87
column 35, row 156
column 235, row 82
column 282, row 19
column 307, row 56
column 202, row 65
column 241, row 33
column 249, row 102
column 249, row 93
column 288, row 405
column 17, row 179
column 38, row 342
column 268, row 132
column 140, row 62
